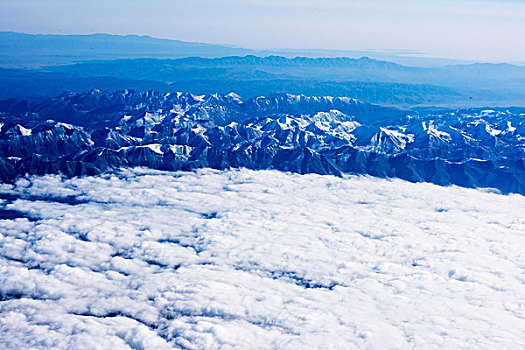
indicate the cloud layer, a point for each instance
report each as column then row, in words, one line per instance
column 258, row 259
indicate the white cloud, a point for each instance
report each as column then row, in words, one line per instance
column 247, row 259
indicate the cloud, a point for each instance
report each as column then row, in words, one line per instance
column 255, row 259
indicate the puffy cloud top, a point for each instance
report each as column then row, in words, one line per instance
column 258, row 259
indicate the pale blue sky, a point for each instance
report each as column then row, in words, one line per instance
column 489, row 30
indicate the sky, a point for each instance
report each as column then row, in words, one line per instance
column 486, row 30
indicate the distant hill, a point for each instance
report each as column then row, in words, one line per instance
column 33, row 50
column 372, row 80
column 60, row 63
column 364, row 69
column 19, row 50
column 38, row 85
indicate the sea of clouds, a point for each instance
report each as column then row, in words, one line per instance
column 245, row 259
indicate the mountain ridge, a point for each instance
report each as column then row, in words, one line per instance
column 167, row 48
column 65, row 44
column 101, row 131
column 142, row 63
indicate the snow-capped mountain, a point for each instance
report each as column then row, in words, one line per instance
column 97, row 131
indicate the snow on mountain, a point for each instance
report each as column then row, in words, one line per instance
column 241, row 259
column 324, row 135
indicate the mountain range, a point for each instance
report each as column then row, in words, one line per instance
column 89, row 133
column 22, row 50
column 108, row 62
column 35, row 50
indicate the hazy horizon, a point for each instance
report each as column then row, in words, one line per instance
column 475, row 30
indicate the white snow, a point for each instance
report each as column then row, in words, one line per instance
column 155, row 147
column 259, row 259
column 24, row 131
column 199, row 98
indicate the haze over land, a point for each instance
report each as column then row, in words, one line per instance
column 81, row 63
column 479, row 30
